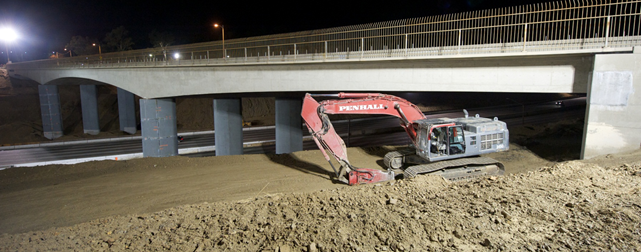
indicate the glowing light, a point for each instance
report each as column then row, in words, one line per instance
column 177, row 55
column 8, row 35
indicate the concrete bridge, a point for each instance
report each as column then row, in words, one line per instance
column 547, row 48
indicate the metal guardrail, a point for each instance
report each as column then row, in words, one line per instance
column 563, row 25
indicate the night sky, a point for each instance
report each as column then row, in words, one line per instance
column 47, row 26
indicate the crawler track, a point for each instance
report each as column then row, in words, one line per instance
column 454, row 170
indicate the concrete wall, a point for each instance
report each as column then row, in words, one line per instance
column 533, row 74
column 614, row 105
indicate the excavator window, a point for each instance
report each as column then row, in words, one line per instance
column 457, row 140
column 438, row 141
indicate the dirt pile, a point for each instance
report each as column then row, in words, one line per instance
column 573, row 206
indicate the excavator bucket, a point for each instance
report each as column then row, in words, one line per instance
column 367, row 176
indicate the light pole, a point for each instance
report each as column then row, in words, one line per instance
column 99, row 50
column 223, row 30
column 8, row 35
column 69, row 52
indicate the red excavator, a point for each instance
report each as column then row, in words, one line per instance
column 444, row 146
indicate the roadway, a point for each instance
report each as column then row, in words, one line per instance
column 261, row 139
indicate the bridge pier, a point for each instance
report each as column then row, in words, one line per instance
column 127, row 111
column 228, row 127
column 612, row 123
column 89, row 104
column 158, row 127
column 50, row 111
column 289, row 135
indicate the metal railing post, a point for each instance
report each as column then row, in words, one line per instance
column 325, row 50
column 459, row 41
column 245, row 54
column 294, row 52
column 524, row 37
column 207, row 56
column 269, row 54
column 607, row 32
column 192, row 58
column 405, row 45
column 362, row 47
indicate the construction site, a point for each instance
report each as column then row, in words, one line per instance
column 546, row 199
column 480, row 126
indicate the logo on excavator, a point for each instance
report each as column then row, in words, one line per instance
column 361, row 107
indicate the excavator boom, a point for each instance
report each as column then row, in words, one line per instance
column 315, row 116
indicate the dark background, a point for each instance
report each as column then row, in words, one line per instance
column 47, row 26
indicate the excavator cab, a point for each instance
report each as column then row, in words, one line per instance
column 446, row 140
column 456, row 144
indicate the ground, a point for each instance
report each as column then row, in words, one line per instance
column 266, row 202
column 289, row 203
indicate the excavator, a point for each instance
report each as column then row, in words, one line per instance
column 450, row 147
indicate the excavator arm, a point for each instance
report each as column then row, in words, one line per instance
column 315, row 113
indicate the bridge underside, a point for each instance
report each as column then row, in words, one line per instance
column 608, row 79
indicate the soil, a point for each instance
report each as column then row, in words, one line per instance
column 289, row 203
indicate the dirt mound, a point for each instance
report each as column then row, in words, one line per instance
column 576, row 205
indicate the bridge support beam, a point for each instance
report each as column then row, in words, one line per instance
column 89, row 104
column 612, row 122
column 158, row 127
column 228, row 127
column 127, row 111
column 289, row 135
column 50, row 111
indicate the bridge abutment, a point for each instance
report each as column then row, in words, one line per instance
column 89, row 104
column 50, row 111
column 158, row 127
column 127, row 111
column 289, row 135
column 612, row 121
column 228, row 126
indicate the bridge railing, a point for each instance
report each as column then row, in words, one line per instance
column 564, row 25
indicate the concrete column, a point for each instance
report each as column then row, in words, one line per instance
column 127, row 111
column 50, row 111
column 289, row 135
column 158, row 127
column 228, row 126
column 89, row 103
column 612, row 121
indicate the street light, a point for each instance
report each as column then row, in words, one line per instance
column 8, row 35
column 99, row 50
column 223, row 30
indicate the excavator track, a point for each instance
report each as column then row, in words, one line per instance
column 459, row 169
column 394, row 159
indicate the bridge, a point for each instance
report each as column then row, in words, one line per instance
column 560, row 47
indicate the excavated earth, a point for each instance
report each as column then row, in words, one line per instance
column 289, row 203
